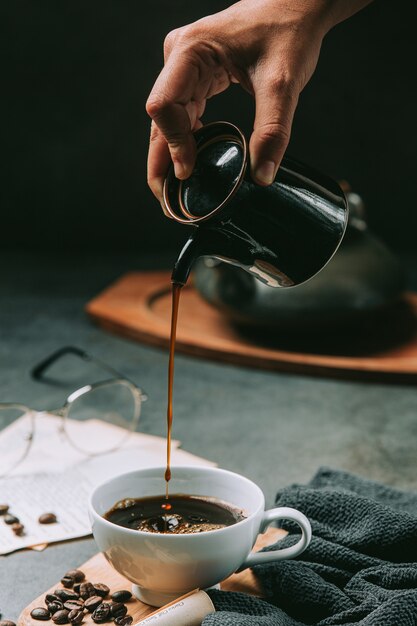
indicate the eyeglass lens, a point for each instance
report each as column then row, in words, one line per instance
column 113, row 403
column 16, row 427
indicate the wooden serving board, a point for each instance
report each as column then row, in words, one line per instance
column 138, row 305
column 97, row 569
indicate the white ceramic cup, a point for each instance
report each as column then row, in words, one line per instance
column 163, row 567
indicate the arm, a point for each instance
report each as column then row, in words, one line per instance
column 270, row 47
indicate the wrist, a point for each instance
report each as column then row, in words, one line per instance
column 319, row 15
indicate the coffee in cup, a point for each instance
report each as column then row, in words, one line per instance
column 180, row 514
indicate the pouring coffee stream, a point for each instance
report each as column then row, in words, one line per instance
column 283, row 234
column 176, row 291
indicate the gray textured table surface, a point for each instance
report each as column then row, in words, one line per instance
column 274, row 428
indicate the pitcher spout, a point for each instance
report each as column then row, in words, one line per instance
column 215, row 242
column 186, row 259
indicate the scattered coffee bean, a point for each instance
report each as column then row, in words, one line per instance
column 123, row 595
column 76, row 616
column 102, row 613
column 67, row 581
column 50, row 597
column 92, row 603
column 78, row 596
column 47, row 518
column 76, row 574
column 101, row 589
column 40, row 613
column 18, row 529
column 123, row 621
column 73, row 604
column 87, row 590
column 3, row 510
column 55, row 606
column 6, row 622
column 66, row 594
column 11, row 519
column 118, row 609
column 61, row 617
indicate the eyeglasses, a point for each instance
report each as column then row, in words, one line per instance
column 116, row 401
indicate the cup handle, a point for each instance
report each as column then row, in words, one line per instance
column 286, row 553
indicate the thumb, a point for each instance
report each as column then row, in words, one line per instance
column 276, row 102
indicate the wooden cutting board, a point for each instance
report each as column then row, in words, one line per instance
column 97, row 569
column 138, row 305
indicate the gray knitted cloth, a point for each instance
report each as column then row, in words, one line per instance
column 359, row 570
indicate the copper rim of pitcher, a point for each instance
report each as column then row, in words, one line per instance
column 189, row 217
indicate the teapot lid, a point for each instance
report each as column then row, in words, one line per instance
column 219, row 169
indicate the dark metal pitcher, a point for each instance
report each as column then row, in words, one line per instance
column 283, row 234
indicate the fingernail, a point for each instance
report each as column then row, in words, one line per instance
column 179, row 170
column 265, row 173
column 159, row 191
column 156, row 185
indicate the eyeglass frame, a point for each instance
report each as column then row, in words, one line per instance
column 37, row 373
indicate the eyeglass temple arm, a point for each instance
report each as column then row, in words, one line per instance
column 39, row 369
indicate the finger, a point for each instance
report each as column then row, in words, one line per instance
column 195, row 111
column 159, row 159
column 169, row 42
column 167, row 106
column 276, row 102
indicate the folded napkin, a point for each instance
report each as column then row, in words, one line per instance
column 360, row 568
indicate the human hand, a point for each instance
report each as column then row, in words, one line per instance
column 270, row 47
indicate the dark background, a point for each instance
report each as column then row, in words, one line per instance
column 75, row 77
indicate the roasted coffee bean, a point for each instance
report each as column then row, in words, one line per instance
column 123, row 621
column 18, row 529
column 67, row 581
column 92, row 603
column 3, row 510
column 11, row 519
column 76, row 587
column 61, row 617
column 73, row 604
column 123, row 595
column 87, row 590
column 47, row 518
column 76, row 574
column 76, row 616
column 55, row 606
column 6, row 622
column 40, row 613
column 101, row 589
column 102, row 613
column 118, row 609
column 66, row 594
column 50, row 597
